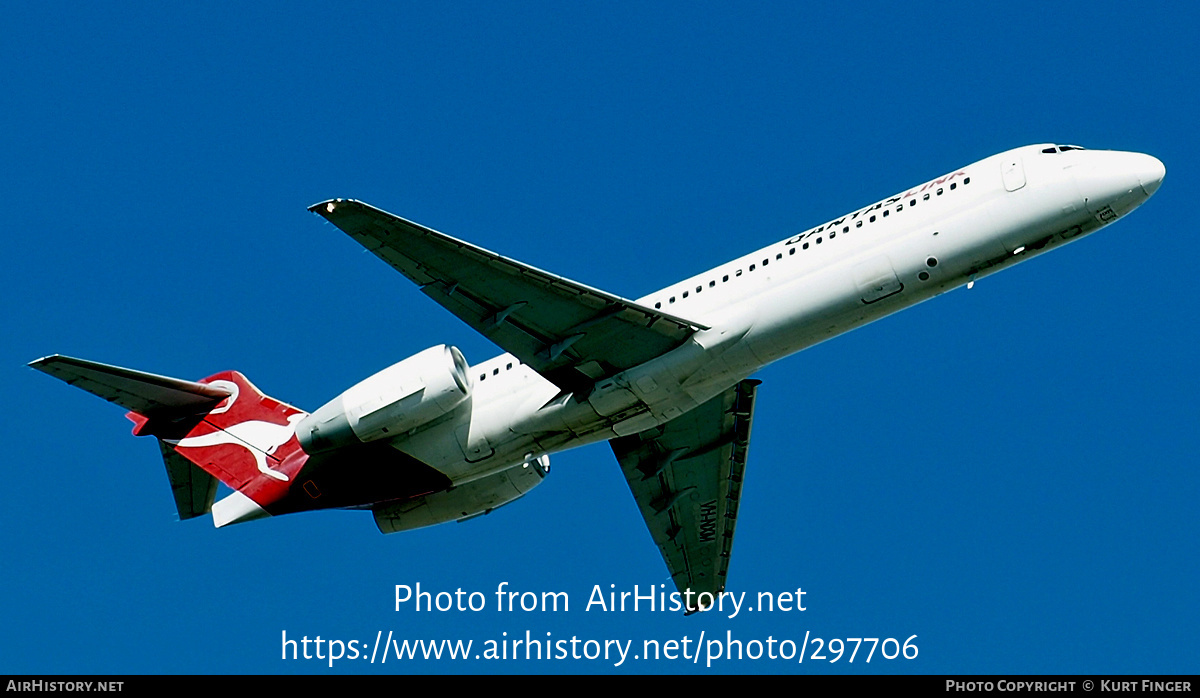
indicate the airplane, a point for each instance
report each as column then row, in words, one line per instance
column 665, row 379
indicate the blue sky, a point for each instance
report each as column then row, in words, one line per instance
column 1008, row 473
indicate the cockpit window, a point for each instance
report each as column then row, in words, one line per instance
column 1062, row 148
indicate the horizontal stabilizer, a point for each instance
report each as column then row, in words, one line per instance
column 145, row 393
column 194, row 490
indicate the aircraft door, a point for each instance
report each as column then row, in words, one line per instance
column 1013, row 172
column 876, row 279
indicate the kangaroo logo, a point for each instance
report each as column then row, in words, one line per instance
column 256, row 436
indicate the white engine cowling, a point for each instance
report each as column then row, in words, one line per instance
column 398, row 399
column 475, row 498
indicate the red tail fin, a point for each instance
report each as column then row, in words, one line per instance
column 248, row 441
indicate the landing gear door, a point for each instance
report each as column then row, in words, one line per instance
column 876, row 279
column 1013, row 172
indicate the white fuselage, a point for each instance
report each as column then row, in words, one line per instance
column 796, row 293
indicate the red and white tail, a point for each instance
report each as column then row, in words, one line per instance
column 247, row 441
column 223, row 425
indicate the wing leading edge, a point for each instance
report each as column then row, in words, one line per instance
column 570, row 333
column 687, row 479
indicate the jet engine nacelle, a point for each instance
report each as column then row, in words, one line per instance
column 475, row 498
column 398, row 399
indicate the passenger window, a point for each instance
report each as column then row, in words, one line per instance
column 658, row 304
column 858, row 224
column 792, row 251
column 885, row 213
column 738, row 273
column 967, row 180
column 508, row 368
column 925, row 198
column 725, row 278
column 953, row 186
column 712, row 283
column 685, row 294
column 751, row 267
column 671, row 299
column 872, row 219
column 806, row 245
column 818, row 241
column 496, row 371
column 912, row 202
column 833, row 235
column 939, row 191
column 846, row 229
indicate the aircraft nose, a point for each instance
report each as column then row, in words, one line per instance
column 1114, row 182
column 1150, row 172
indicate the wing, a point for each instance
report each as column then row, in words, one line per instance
column 687, row 479
column 570, row 333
